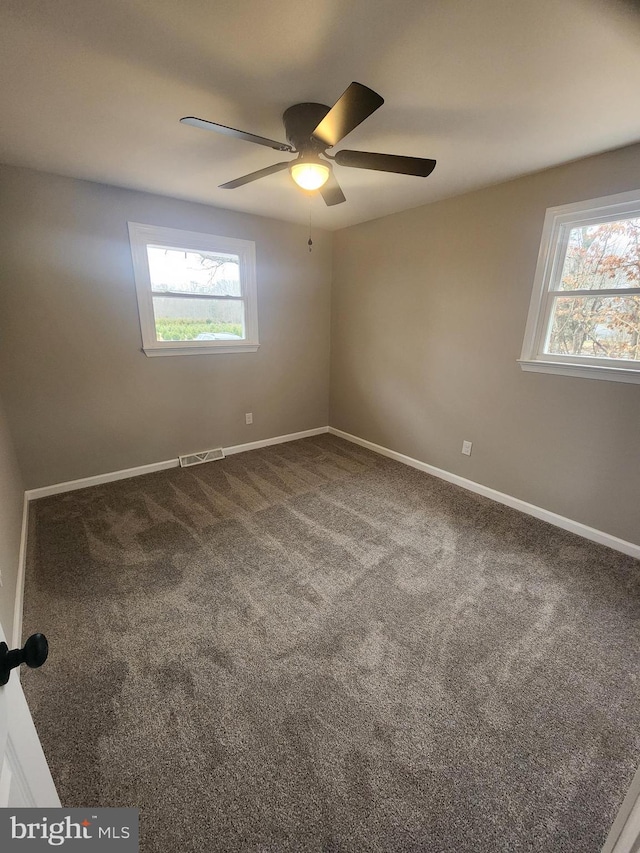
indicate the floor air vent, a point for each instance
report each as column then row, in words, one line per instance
column 199, row 458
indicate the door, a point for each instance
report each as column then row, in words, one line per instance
column 625, row 832
column 25, row 779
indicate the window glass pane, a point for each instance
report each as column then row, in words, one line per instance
column 601, row 256
column 180, row 319
column 600, row 327
column 182, row 271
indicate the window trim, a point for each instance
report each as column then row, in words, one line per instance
column 140, row 236
column 558, row 222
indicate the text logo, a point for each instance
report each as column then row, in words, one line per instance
column 69, row 829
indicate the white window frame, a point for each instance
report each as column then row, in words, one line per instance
column 141, row 236
column 558, row 223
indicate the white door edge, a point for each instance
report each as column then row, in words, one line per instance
column 624, row 836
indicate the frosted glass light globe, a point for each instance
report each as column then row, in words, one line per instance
column 309, row 176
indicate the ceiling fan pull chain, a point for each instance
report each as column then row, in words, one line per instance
column 310, row 241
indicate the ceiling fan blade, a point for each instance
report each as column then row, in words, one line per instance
column 331, row 192
column 352, row 107
column 254, row 176
column 418, row 166
column 239, row 134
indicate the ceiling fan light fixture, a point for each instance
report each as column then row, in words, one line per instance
column 310, row 129
column 309, row 174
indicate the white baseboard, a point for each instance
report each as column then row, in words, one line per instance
column 22, row 562
column 98, row 479
column 577, row 527
column 279, row 439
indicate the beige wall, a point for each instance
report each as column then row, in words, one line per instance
column 428, row 315
column 81, row 397
column 11, row 501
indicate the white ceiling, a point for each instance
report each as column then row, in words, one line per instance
column 492, row 89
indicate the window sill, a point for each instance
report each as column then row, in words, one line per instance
column 209, row 350
column 585, row 371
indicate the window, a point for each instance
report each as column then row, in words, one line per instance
column 196, row 292
column 584, row 317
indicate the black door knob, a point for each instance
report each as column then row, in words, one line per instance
column 34, row 654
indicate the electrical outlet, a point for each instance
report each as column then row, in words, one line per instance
column 466, row 447
column 248, row 418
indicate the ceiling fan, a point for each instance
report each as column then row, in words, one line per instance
column 311, row 129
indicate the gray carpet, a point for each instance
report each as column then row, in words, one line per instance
column 312, row 648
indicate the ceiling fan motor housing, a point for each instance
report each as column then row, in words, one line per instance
column 300, row 121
